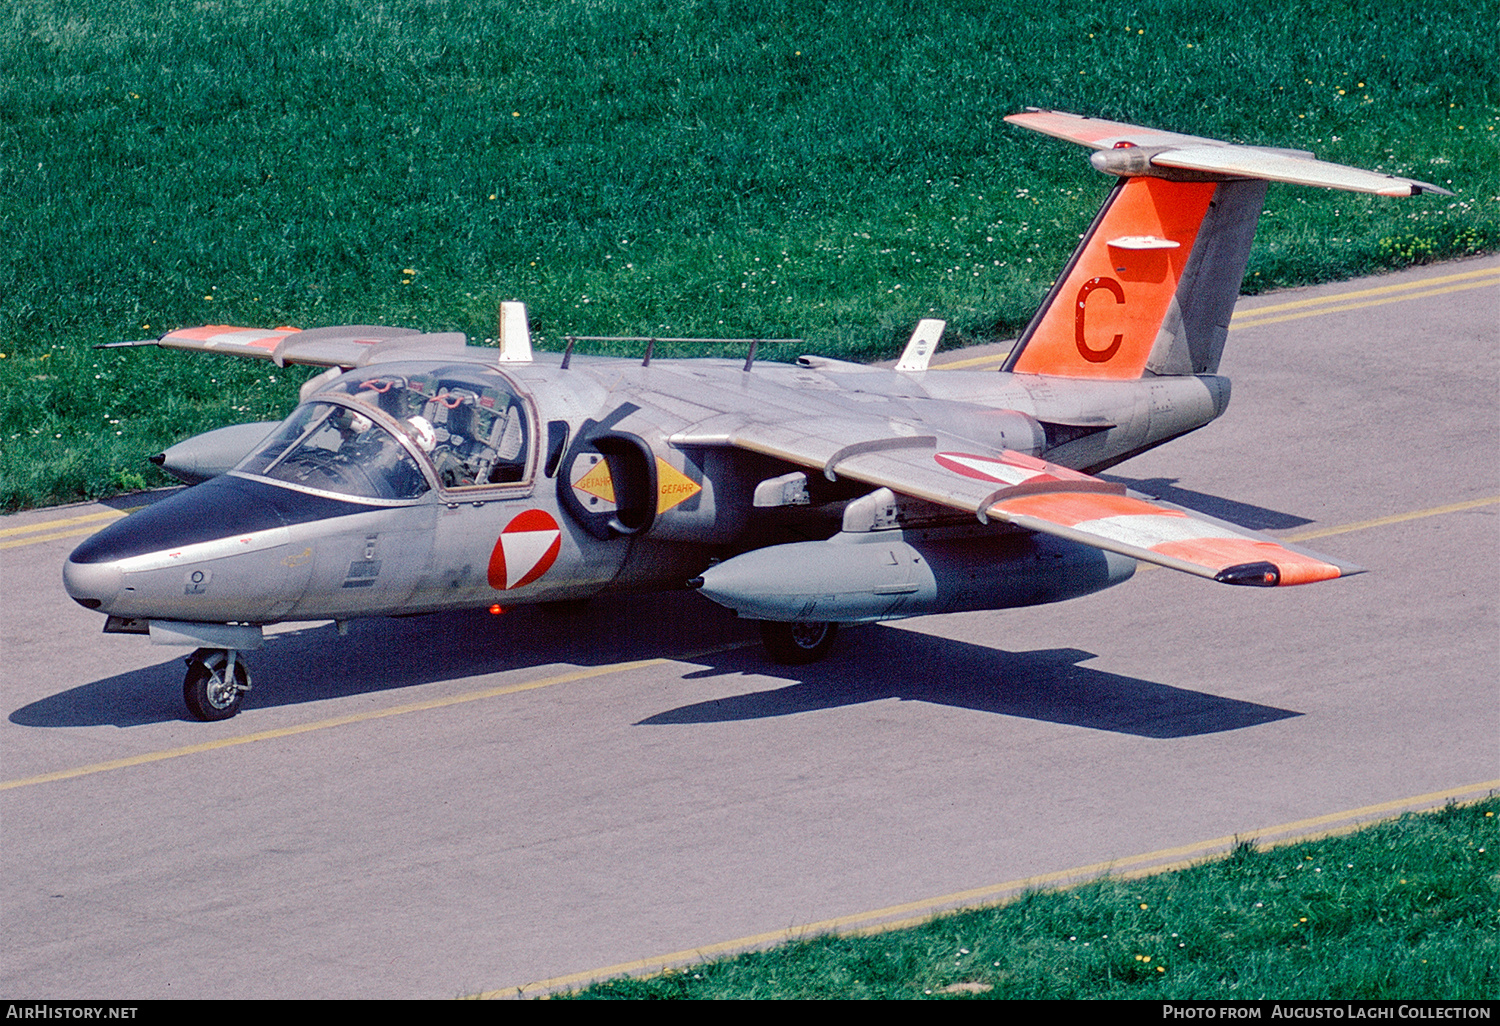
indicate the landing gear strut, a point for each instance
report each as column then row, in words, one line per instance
column 216, row 682
column 797, row 644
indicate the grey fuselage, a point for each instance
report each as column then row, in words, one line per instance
column 674, row 492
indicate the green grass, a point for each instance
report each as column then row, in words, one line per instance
column 1403, row 910
column 826, row 170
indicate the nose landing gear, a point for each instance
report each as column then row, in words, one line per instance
column 216, row 682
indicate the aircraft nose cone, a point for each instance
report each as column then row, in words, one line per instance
column 92, row 585
column 207, row 553
column 126, row 568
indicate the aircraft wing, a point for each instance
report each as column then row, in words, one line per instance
column 1032, row 494
column 347, row 346
column 354, row 345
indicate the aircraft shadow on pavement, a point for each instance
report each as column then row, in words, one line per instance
column 875, row 663
column 315, row 663
column 868, row 664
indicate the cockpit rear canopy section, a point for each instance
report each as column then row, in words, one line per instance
column 392, row 431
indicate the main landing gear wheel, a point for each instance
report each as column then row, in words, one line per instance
column 213, row 691
column 797, row 644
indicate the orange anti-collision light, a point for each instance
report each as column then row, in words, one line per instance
column 496, row 609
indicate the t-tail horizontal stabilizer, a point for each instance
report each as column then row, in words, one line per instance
column 1131, row 150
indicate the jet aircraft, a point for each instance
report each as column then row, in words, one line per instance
column 420, row 473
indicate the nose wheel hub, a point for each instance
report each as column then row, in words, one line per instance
column 216, row 682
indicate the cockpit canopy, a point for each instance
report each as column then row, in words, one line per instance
column 466, row 421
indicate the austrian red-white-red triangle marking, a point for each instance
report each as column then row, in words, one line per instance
column 525, row 550
column 1009, row 468
column 985, row 468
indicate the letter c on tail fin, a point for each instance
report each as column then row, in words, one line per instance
column 1138, row 250
column 1084, row 349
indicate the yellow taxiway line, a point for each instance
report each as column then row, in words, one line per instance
column 896, row 917
column 332, row 721
column 1363, row 299
column 67, row 523
column 973, row 361
column 566, row 678
column 1396, row 518
column 360, row 717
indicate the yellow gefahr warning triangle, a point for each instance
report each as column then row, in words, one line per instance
column 597, row 482
column 672, row 486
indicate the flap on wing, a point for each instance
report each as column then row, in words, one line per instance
column 1035, row 495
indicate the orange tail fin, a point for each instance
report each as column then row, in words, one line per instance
column 1152, row 285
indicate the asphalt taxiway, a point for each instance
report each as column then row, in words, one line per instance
column 467, row 804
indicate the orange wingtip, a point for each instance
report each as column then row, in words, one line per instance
column 1245, row 561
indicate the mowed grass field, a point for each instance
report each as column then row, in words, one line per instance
column 1402, row 910
column 830, row 170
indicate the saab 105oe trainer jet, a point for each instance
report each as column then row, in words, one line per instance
column 422, row 474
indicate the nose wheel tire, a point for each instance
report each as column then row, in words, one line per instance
column 797, row 644
column 211, row 689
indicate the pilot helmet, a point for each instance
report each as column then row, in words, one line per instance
column 421, row 431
